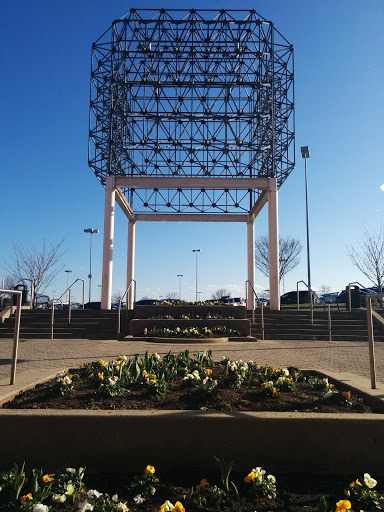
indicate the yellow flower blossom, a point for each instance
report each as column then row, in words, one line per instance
column 352, row 484
column 48, row 478
column 178, row 507
column 152, row 381
column 102, row 362
column 249, row 477
column 149, row 470
column 117, row 368
column 204, row 484
column 209, row 372
column 343, row 506
column 347, row 396
column 28, row 496
column 101, row 375
column 145, row 373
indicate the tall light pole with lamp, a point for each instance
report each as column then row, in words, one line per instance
column 67, row 272
column 305, row 155
column 92, row 232
column 196, row 251
column 180, row 276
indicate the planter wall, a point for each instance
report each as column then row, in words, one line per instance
column 136, row 327
column 129, row 440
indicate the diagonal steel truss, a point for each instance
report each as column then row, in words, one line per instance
column 192, row 94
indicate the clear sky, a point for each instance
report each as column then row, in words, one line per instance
column 48, row 192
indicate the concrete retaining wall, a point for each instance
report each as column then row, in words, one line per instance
column 129, row 440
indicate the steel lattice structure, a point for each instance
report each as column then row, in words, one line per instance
column 192, row 94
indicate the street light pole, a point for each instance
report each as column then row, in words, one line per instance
column 179, row 276
column 67, row 272
column 305, row 155
column 196, row 251
column 91, row 232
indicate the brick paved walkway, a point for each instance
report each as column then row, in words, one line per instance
column 40, row 358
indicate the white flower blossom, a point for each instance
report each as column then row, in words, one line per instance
column 92, row 493
column 153, row 490
column 115, row 498
column 61, row 374
column 139, row 499
column 156, row 356
column 328, row 394
column 71, row 470
column 122, row 507
column 69, row 489
column 369, row 481
column 67, row 380
column 59, row 498
column 271, row 478
column 168, row 506
column 39, row 507
column 84, row 506
column 112, row 381
column 285, row 371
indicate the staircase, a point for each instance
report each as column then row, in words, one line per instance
column 290, row 324
column 87, row 323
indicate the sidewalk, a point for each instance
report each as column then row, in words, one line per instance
column 41, row 359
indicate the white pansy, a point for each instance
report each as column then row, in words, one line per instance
column 59, row 498
column 369, row 481
column 156, row 356
column 69, row 489
column 71, row 470
column 67, row 380
column 122, row 507
column 39, row 507
column 92, row 493
column 112, row 381
column 138, row 499
column 285, row 371
column 205, row 380
column 168, row 506
column 84, row 506
column 271, row 478
column 61, row 374
column 153, row 491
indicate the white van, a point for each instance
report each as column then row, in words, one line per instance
column 236, row 301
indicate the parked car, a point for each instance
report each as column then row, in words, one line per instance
column 235, row 301
column 291, row 297
column 329, row 298
column 146, row 302
column 92, row 305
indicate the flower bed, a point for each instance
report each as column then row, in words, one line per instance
column 69, row 491
column 184, row 381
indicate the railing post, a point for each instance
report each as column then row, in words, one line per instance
column 371, row 343
column 52, row 316
column 311, row 302
column 262, row 321
column 349, row 298
column 16, row 338
column 69, row 306
column 118, row 319
column 298, row 296
column 329, row 323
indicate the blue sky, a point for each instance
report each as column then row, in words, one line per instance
column 48, row 192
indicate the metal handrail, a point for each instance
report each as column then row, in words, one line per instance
column 350, row 294
column 131, row 283
column 55, row 301
column 16, row 331
column 253, row 309
column 371, row 341
column 311, row 294
column 70, row 286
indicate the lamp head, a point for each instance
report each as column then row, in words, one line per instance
column 305, row 151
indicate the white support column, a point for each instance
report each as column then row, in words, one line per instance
column 251, row 264
column 109, row 223
column 131, row 263
column 273, row 228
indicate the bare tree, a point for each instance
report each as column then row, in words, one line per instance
column 221, row 292
column 324, row 288
column 41, row 266
column 368, row 256
column 172, row 296
column 116, row 296
column 289, row 254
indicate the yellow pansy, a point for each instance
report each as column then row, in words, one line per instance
column 149, row 470
column 343, row 506
column 249, row 477
column 48, row 478
column 25, row 498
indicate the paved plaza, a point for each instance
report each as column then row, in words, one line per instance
column 39, row 359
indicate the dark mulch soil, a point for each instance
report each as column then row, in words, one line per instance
column 87, row 395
